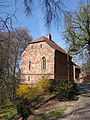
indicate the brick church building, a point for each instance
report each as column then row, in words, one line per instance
column 43, row 57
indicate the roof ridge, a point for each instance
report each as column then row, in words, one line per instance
column 50, row 42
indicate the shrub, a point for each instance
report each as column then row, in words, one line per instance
column 53, row 84
column 27, row 96
column 87, row 80
column 28, row 92
column 23, row 107
column 23, row 89
column 61, row 90
column 43, row 84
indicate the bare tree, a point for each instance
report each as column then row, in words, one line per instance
column 11, row 45
column 52, row 9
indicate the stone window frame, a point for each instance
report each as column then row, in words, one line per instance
column 44, row 63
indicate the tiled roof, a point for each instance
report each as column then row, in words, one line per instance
column 49, row 42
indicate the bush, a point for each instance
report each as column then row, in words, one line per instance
column 23, row 107
column 87, row 80
column 61, row 90
column 27, row 92
column 43, row 84
column 30, row 92
column 53, row 84
column 28, row 96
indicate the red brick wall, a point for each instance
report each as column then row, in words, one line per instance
column 61, row 65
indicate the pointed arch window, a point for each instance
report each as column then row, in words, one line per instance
column 44, row 63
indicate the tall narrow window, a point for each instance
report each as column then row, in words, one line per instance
column 44, row 63
column 29, row 65
column 28, row 78
column 32, row 47
column 40, row 45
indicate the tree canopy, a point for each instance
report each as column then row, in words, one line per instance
column 86, row 66
column 77, row 28
column 12, row 43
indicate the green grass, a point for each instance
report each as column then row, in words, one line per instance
column 55, row 112
column 7, row 111
column 87, row 80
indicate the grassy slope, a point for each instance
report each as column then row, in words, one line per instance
column 7, row 111
column 49, row 107
column 45, row 107
column 87, row 80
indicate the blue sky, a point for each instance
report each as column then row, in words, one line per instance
column 35, row 23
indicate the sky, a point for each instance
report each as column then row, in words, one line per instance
column 35, row 23
column 36, row 26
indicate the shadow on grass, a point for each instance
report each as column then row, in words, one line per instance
column 51, row 98
column 54, row 113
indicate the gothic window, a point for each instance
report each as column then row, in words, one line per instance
column 29, row 65
column 44, row 63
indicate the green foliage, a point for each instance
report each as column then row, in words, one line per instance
column 87, row 80
column 37, row 101
column 53, row 84
column 55, row 112
column 61, row 90
column 23, row 107
column 28, row 96
column 43, row 84
column 77, row 28
column 86, row 66
column 30, row 92
column 7, row 111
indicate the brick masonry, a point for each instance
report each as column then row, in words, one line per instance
column 61, row 69
column 35, row 53
column 56, row 61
